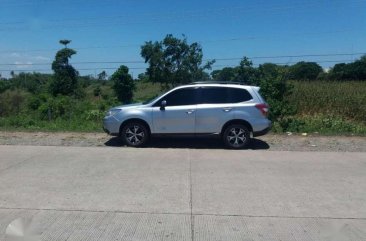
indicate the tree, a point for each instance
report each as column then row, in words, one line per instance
column 65, row 77
column 102, row 76
column 269, row 70
column 143, row 77
column 32, row 82
column 65, row 42
column 305, row 71
column 351, row 71
column 246, row 72
column 123, row 84
column 97, row 91
column 173, row 61
column 4, row 85
column 358, row 69
column 338, row 72
column 225, row 74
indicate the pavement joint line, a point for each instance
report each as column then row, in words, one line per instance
column 191, row 195
column 278, row 216
column 186, row 214
column 92, row 211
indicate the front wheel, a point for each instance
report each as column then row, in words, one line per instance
column 236, row 136
column 134, row 134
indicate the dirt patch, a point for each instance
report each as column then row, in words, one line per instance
column 269, row 142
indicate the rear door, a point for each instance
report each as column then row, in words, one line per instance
column 213, row 110
column 217, row 106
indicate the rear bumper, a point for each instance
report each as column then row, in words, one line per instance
column 262, row 132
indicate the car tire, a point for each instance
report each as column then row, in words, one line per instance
column 236, row 136
column 135, row 134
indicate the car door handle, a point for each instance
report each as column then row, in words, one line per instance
column 189, row 112
column 227, row 109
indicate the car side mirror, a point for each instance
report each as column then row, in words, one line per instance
column 163, row 105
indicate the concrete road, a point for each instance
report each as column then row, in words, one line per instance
column 91, row 193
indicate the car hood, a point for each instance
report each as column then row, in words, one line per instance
column 130, row 106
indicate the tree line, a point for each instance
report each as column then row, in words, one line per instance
column 172, row 61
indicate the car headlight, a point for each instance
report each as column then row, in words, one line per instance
column 112, row 112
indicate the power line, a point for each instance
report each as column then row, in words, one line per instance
column 48, row 70
column 200, row 42
column 209, row 59
column 78, row 48
column 141, row 68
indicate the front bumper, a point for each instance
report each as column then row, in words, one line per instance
column 111, row 126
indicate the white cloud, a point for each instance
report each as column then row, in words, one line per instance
column 22, row 65
column 15, row 55
column 41, row 58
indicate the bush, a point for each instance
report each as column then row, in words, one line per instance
column 12, row 102
column 305, row 71
column 123, row 85
column 276, row 89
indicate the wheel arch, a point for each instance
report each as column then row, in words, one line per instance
column 124, row 123
column 237, row 121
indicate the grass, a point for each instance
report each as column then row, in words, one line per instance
column 345, row 100
column 331, row 108
column 145, row 91
column 84, row 116
column 22, row 123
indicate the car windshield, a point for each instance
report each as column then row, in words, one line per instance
column 151, row 99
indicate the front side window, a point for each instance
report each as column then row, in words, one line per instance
column 186, row 96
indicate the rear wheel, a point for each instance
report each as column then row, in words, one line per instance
column 135, row 134
column 236, row 136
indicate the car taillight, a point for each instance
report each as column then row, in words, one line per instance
column 264, row 108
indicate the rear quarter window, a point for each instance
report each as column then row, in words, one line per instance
column 236, row 95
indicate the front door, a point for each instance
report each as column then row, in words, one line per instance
column 179, row 115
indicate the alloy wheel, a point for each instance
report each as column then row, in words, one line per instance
column 236, row 137
column 135, row 135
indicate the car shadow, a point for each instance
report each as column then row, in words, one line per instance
column 189, row 142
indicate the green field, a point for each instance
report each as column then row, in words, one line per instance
column 330, row 107
column 342, row 99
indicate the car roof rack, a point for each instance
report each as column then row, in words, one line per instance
column 217, row 82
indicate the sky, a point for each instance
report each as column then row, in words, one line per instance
column 104, row 31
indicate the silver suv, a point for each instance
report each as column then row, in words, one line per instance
column 235, row 112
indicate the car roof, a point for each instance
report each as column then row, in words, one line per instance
column 234, row 85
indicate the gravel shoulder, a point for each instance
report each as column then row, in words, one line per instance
column 271, row 142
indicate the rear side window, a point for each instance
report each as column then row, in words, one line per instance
column 214, row 95
column 223, row 95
